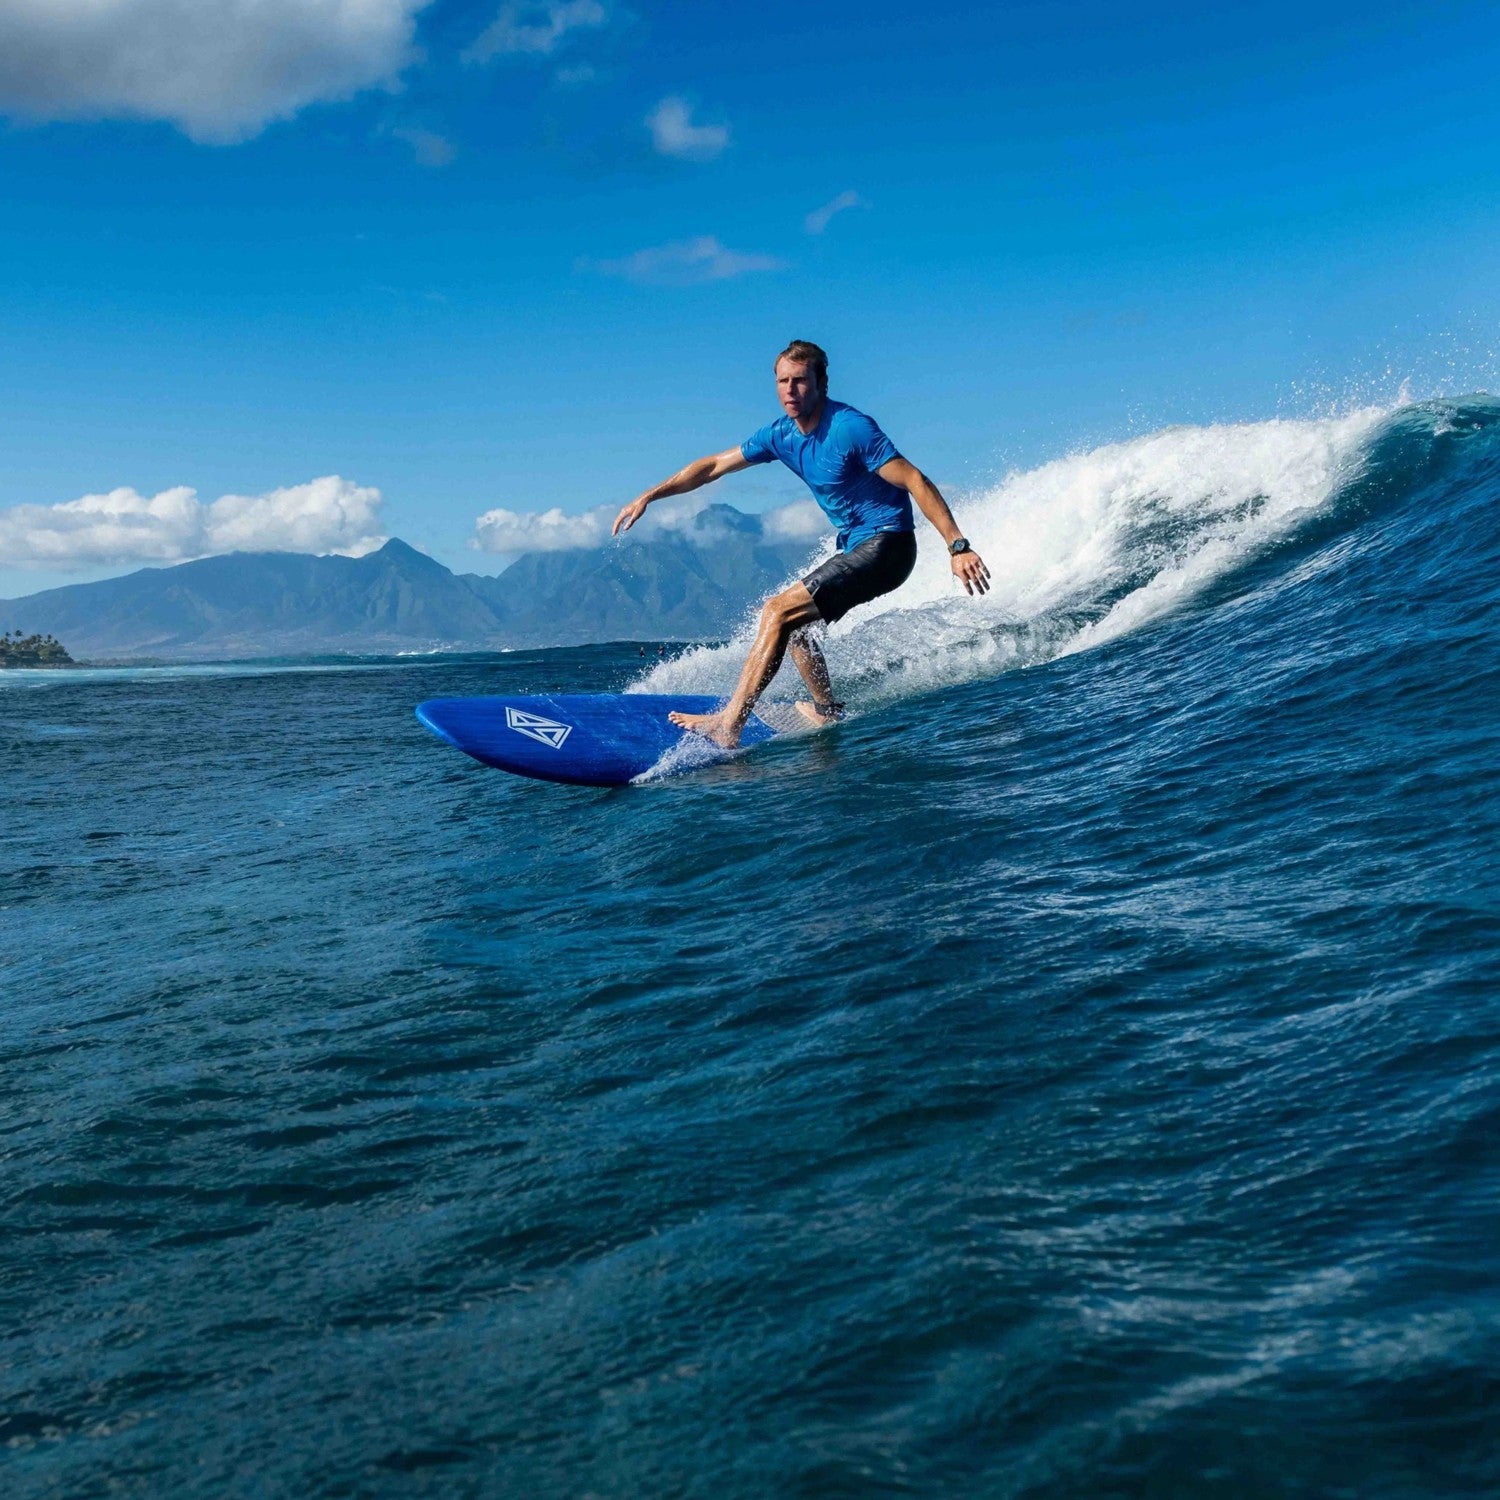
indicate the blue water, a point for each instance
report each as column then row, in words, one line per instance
column 1078, row 1074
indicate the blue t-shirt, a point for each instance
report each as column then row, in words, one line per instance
column 837, row 461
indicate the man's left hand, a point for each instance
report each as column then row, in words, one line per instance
column 969, row 569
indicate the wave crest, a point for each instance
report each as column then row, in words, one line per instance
column 1082, row 550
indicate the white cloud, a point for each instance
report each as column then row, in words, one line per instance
column 679, row 512
column 518, row 532
column 801, row 521
column 325, row 515
column 685, row 263
column 429, row 148
column 818, row 220
column 221, row 70
column 674, row 134
column 533, row 29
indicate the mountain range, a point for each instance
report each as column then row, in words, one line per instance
column 695, row 583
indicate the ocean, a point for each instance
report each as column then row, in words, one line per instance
column 1078, row 1074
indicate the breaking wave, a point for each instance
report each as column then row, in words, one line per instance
column 1096, row 545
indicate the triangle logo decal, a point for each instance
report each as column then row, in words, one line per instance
column 535, row 727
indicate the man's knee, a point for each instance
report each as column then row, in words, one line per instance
column 779, row 613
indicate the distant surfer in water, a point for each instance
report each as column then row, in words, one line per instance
column 865, row 488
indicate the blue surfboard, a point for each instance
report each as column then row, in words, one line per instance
column 591, row 739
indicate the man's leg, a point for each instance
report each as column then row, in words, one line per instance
column 779, row 617
column 808, row 657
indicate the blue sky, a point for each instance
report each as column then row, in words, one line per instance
column 456, row 258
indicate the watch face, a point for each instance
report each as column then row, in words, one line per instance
column 959, row 546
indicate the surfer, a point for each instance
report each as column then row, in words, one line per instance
column 865, row 488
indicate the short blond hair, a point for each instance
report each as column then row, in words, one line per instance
column 805, row 352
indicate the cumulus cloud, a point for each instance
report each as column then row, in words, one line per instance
column 429, row 148
column 801, row 521
column 518, row 532
column 685, row 263
column 533, row 29
column 325, row 515
column 674, row 134
column 219, row 71
column 818, row 220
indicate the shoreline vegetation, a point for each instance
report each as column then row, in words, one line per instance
column 17, row 650
column 33, row 651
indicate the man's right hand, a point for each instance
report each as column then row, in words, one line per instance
column 969, row 569
column 630, row 515
column 698, row 473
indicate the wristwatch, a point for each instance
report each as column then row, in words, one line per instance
column 959, row 544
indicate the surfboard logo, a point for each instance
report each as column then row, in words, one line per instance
column 535, row 727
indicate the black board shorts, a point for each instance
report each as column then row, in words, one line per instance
column 879, row 564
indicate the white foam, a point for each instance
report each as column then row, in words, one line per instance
column 1080, row 551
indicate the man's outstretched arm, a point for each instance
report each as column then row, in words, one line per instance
column 698, row 473
column 968, row 567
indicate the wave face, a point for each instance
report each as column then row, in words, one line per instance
column 1076, row 1075
column 1091, row 547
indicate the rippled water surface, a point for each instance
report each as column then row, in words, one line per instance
column 1079, row 1074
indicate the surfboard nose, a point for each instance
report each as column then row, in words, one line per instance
column 430, row 716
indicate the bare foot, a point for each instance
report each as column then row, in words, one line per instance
column 716, row 727
column 821, row 716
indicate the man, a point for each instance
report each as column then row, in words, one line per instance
column 865, row 488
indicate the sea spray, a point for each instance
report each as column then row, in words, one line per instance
column 1080, row 550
